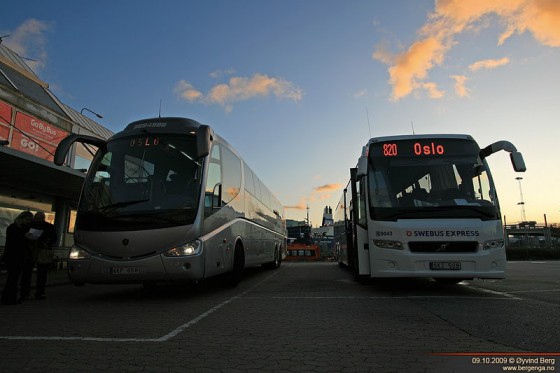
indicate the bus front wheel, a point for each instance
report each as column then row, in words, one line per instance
column 236, row 275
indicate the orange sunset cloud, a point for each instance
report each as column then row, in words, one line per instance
column 409, row 69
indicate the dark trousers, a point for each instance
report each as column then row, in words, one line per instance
column 26, row 273
column 9, row 295
column 42, row 270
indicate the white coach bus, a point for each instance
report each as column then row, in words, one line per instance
column 167, row 199
column 423, row 206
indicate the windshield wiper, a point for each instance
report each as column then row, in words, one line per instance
column 114, row 206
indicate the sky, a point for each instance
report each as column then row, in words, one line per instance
column 298, row 87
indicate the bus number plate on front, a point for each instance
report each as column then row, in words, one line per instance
column 125, row 270
column 445, row 266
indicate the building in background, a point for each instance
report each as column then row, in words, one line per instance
column 301, row 246
column 32, row 123
column 309, row 243
column 323, row 236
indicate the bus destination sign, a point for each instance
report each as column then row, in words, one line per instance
column 391, row 149
column 423, row 148
column 144, row 142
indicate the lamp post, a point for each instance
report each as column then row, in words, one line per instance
column 94, row 113
column 519, row 178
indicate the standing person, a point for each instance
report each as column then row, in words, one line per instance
column 46, row 239
column 16, row 254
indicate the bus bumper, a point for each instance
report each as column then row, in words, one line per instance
column 156, row 268
column 490, row 264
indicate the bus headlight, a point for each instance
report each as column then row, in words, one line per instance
column 191, row 248
column 77, row 253
column 388, row 244
column 493, row 244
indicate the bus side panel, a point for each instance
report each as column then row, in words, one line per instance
column 362, row 251
column 222, row 229
column 219, row 246
column 341, row 229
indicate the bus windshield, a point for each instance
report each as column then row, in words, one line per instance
column 142, row 182
column 442, row 179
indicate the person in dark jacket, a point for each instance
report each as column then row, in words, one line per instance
column 46, row 239
column 16, row 254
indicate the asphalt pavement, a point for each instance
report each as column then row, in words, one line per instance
column 55, row 277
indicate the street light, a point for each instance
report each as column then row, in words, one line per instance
column 94, row 113
column 519, row 178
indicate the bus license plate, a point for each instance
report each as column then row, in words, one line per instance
column 445, row 266
column 125, row 270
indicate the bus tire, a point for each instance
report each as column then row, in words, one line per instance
column 275, row 264
column 236, row 274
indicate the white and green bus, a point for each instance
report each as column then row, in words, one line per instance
column 423, row 206
column 167, row 199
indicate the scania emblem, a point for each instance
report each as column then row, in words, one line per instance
column 125, row 241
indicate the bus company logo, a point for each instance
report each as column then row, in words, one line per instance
column 443, row 233
column 150, row 125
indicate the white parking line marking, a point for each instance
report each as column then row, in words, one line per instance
column 175, row 332
column 499, row 293
column 535, row 291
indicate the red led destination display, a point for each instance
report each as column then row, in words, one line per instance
column 423, row 148
column 144, row 142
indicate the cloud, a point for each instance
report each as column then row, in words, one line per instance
column 186, row 91
column 361, row 94
column 433, row 90
column 460, row 88
column 327, row 188
column 412, row 66
column 219, row 73
column 29, row 41
column 488, row 64
column 240, row 89
column 302, row 205
column 409, row 69
column 319, row 193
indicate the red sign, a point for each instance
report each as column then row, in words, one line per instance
column 31, row 146
column 39, row 130
column 5, row 113
column 4, row 133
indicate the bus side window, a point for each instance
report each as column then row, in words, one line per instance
column 231, row 174
column 213, row 182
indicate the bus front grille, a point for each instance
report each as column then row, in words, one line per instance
column 443, row 247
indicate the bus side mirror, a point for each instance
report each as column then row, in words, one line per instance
column 517, row 161
column 204, row 138
column 362, row 167
column 64, row 145
column 217, row 196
